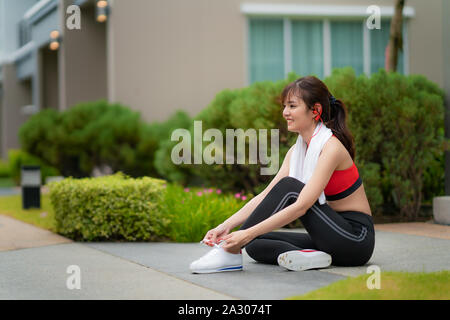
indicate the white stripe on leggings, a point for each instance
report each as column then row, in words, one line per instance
column 325, row 218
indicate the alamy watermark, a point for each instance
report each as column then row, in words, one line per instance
column 374, row 20
column 374, row 281
column 74, row 280
column 74, row 20
column 258, row 147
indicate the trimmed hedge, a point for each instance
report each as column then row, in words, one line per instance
column 113, row 207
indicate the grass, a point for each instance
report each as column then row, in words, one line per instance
column 44, row 217
column 393, row 286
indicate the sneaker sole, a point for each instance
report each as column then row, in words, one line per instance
column 295, row 261
column 226, row 269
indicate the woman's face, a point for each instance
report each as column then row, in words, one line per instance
column 297, row 114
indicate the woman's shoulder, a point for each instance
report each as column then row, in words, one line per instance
column 335, row 146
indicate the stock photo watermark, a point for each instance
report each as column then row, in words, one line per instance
column 374, row 280
column 258, row 147
column 74, row 280
column 374, row 20
column 74, row 20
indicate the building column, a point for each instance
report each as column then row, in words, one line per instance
column 16, row 94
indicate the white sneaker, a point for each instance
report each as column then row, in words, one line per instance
column 217, row 260
column 298, row 260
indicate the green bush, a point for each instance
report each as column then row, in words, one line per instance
column 5, row 171
column 193, row 211
column 162, row 158
column 87, row 135
column 17, row 158
column 253, row 108
column 114, row 207
column 118, row 207
column 397, row 122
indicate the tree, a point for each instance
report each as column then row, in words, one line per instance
column 396, row 37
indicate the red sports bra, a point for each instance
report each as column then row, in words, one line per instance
column 342, row 183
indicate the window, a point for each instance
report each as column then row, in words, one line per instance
column 266, row 50
column 24, row 33
column 307, row 47
column 347, row 45
column 315, row 46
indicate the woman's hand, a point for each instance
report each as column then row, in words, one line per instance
column 213, row 235
column 236, row 240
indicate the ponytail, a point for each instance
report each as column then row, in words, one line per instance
column 337, row 122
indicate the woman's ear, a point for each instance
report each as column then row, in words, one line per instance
column 318, row 108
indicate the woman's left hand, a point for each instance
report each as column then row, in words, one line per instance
column 236, row 240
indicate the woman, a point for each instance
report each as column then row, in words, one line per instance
column 339, row 230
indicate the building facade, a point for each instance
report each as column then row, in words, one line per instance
column 159, row 56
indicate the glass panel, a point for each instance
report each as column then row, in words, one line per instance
column 266, row 50
column 347, row 45
column 307, row 47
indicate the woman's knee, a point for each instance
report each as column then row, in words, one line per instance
column 286, row 185
column 255, row 250
column 291, row 182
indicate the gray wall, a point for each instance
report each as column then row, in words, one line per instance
column 82, row 60
column 49, row 79
column 425, row 39
column 16, row 94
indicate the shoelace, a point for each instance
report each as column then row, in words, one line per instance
column 215, row 245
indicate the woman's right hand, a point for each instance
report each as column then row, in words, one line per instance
column 213, row 235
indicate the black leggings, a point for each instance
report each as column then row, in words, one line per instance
column 348, row 236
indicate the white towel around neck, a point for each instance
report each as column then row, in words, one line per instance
column 304, row 160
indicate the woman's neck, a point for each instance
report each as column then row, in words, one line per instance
column 308, row 133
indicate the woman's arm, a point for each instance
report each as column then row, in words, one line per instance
column 240, row 216
column 327, row 163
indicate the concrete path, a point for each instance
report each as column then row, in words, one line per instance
column 393, row 252
column 15, row 234
column 6, row 191
column 257, row 281
column 42, row 273
column 34, row 265
column 428, row 229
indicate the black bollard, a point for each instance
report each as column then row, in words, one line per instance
column 31, row 187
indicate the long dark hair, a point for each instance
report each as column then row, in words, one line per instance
column 334, row 115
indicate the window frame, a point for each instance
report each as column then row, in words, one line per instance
column 325, row 14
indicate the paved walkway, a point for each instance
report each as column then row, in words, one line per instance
column 15, row 234
column 34, row 265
